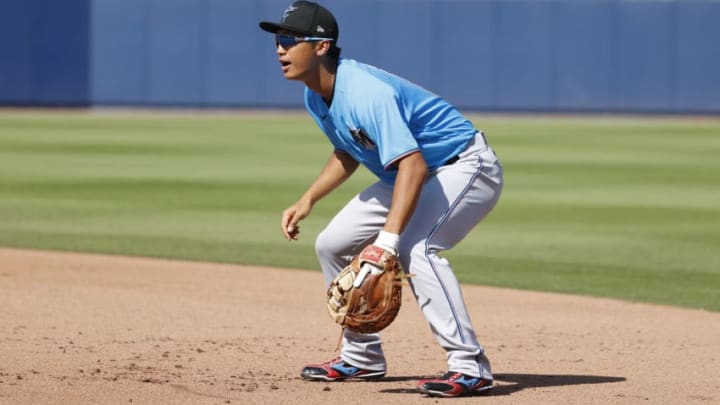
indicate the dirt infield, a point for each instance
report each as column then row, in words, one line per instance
column 78, row 328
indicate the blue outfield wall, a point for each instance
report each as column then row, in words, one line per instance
column 504, row 55
column 44, row 52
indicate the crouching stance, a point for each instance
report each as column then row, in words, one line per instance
column 437, row 179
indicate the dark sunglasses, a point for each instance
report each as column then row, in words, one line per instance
column 288, row 41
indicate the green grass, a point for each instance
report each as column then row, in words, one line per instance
column 624, row 208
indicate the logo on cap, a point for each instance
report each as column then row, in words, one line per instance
column 287, row 12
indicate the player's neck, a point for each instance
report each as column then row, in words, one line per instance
column 323, row 82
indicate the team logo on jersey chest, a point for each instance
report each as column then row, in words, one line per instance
column 362, row 138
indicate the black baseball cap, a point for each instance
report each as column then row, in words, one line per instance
column 306, row 18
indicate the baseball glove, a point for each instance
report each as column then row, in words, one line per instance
column 365, row 297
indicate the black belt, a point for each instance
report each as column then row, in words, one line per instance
column 452, row 160
column 457, row 157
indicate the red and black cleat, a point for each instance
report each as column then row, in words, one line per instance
column 337, row 370
column 454, row 384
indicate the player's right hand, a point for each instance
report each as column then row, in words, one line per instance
column 292, row 216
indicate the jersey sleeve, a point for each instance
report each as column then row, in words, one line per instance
column 382, row 116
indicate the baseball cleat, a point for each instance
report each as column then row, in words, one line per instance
column 454, row 384
column 337, row 370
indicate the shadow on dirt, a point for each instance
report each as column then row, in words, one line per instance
column 401, row 378
column 522, row 381
column 519, row 382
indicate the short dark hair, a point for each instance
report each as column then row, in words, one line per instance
column 334, row 51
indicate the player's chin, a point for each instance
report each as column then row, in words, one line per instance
column 287, row 70
column 291, row 73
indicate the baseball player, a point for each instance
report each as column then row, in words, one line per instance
column 437, row 179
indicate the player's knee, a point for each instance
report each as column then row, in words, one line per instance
column 327, row 245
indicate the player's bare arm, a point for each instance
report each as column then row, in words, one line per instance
column 339, row 167
column 412, row 171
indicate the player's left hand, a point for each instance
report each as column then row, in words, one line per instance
column 366, row 296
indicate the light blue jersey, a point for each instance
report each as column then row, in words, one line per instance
column 378, row 118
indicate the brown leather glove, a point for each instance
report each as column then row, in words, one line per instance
column 365, row 297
